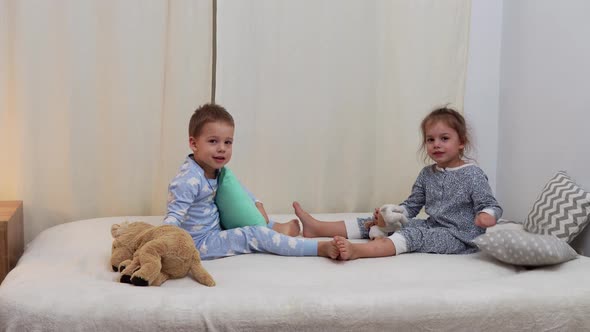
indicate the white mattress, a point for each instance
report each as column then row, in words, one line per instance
column 64, row 282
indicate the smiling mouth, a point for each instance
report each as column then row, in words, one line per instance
column 219, row 158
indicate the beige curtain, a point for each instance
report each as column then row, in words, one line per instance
column 328, row 95
column 95, row 98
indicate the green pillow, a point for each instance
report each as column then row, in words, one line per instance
column 236, row 208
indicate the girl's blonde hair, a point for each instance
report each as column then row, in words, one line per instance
column 454, row 120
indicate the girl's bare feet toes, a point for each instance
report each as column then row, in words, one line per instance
column 345, row 248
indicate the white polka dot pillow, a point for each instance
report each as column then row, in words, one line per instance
column 520, row 247
column 562, row 209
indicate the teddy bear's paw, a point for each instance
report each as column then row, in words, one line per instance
column 125, row 279
column 376, row 233
column 137, row 281
column 391, row 208
column 393, row 216
column 207, row 281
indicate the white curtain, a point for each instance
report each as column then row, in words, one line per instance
column 328, row 95
column 95, row 98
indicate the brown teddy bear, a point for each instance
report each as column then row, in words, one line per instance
column 148, row 255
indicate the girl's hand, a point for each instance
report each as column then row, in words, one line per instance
column 485, row 220
column 370, row 224
column 380, row 221
column 376, row 214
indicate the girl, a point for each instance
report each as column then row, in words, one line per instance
column 191, row 203
column 455, row 194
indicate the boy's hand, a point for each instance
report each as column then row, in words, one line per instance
column 260, row 208
column 485, row 220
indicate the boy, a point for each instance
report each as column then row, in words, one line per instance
column 191, row 196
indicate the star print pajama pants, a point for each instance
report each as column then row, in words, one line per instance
column 251, row 239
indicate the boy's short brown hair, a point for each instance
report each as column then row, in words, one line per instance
column 205, row 114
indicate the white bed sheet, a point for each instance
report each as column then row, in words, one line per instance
column 64, row 282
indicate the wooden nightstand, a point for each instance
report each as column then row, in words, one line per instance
column 11, row 235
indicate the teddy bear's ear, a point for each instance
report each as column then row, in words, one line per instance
column 117, row 230
column 114, row 230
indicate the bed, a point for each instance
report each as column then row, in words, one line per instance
column 63, row 282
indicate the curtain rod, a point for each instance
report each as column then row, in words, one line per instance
column 214, row 51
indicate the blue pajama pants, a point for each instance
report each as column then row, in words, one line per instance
column 251, row 239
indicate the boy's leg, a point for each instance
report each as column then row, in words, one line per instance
column 316, row 228
column 261, row 239
column 376, row 248
column 289, row 228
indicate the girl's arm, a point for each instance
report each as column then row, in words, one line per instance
column 485, row 220
column 414, row 203
column 485, row 204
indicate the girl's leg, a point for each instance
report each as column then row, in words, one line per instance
column 376, row 248
column 316, row 228
column 436, row 240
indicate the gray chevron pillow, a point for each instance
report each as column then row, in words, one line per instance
column 562, row 209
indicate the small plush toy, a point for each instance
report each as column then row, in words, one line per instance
column 391, row 219
column 148, row 255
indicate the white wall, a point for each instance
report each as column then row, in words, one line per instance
column 527, row 97
column 544, row 99
column 483, row 83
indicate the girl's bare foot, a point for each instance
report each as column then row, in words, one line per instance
column 328, row 249
column 345, row 248
column 290, row 228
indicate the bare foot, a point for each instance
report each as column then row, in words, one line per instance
column 345, row 248
column 328, row 249
column 290, row 228
column 311, row 226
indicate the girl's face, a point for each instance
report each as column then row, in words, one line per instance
column 443, row 145
column 212, row 149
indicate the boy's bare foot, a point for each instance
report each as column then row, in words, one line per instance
column 311, row 226
column 290, row 228
column 345, row 248
column 328, row 249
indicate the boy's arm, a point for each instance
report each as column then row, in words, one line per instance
column 260, row 208
column 181, row 194
column 258, row 203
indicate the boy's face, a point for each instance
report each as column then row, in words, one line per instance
column 212, row 149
